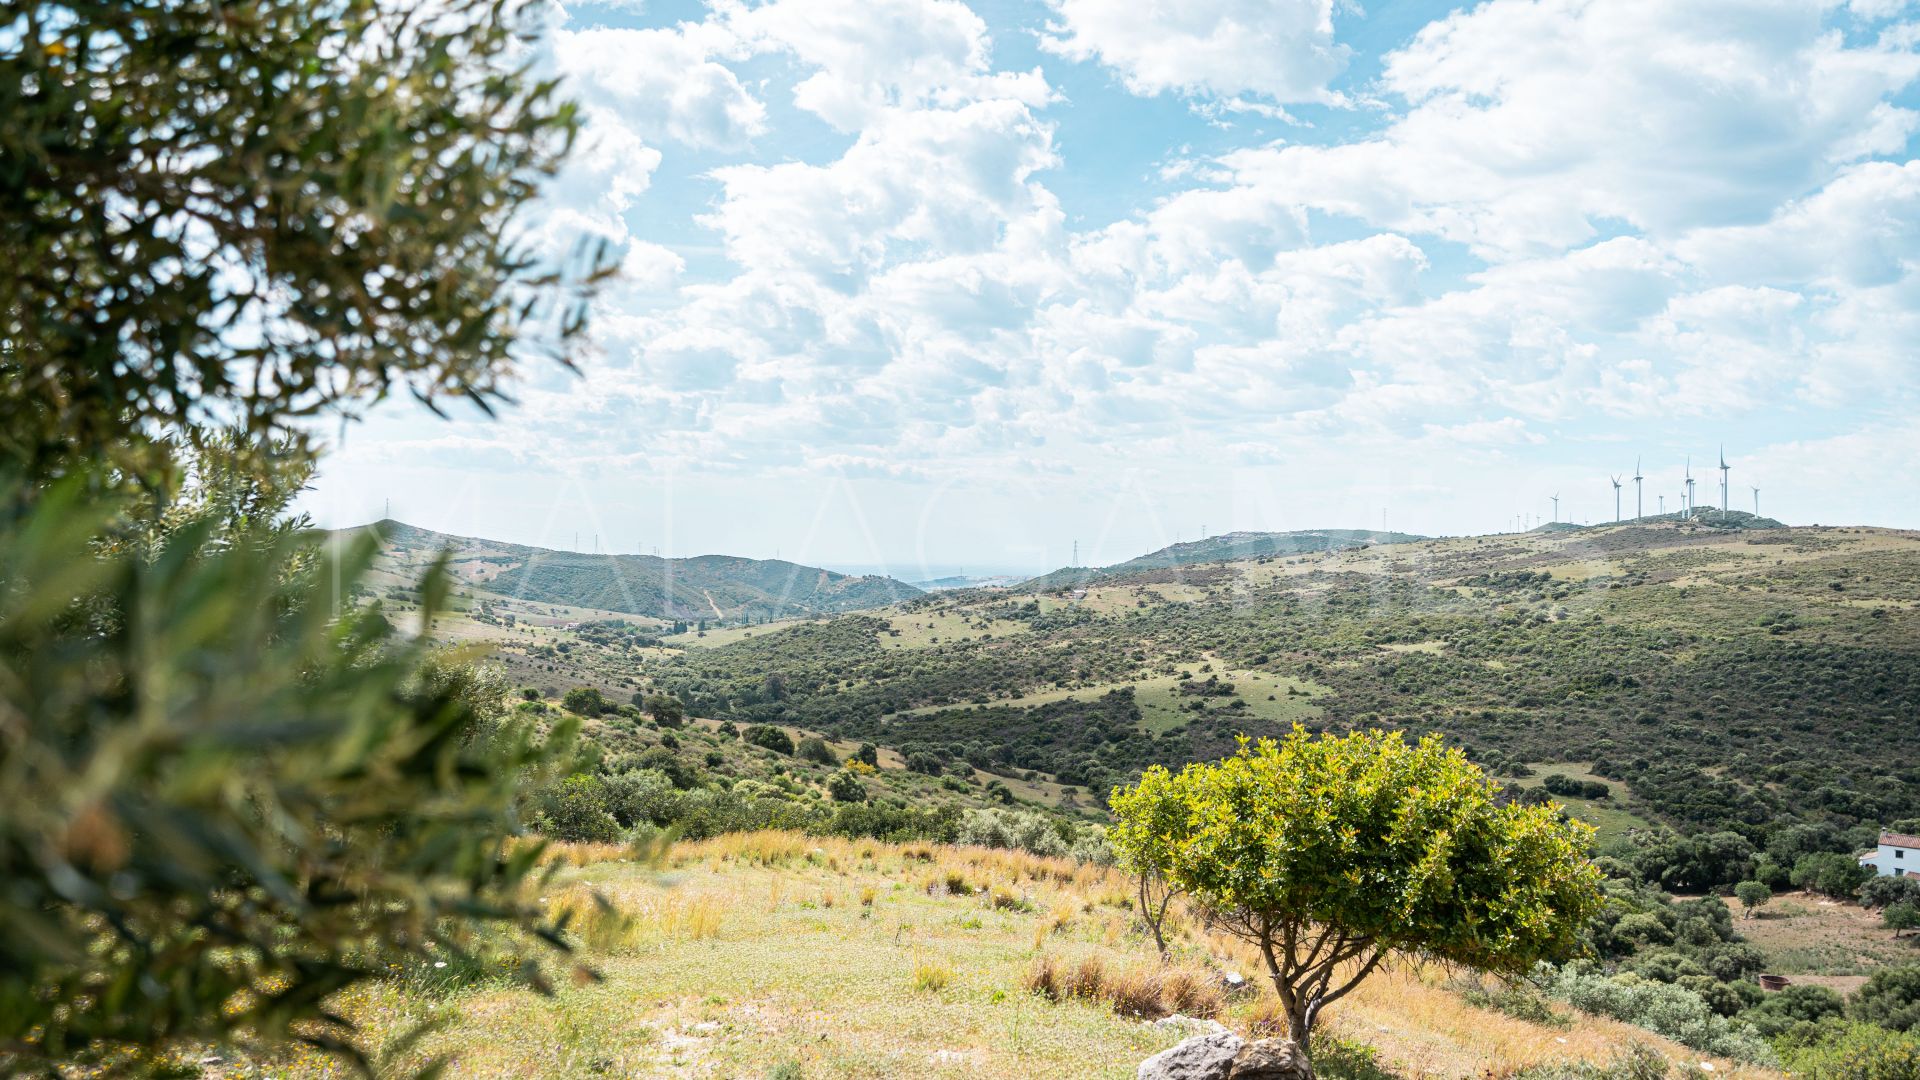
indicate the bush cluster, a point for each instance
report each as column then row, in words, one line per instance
column 1664, row 1008
column 1035, row 833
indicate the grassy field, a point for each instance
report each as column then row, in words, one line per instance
column 1807, row 935
column 1279, row 698
column 920, row 629
column 771, row 955
column 1611, row 817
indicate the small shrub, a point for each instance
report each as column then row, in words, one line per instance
column 1515, row 999
column 845, row 787
column 1673, row 1011
column 1784, row 1010
column 577, row 810
column 931, row 975
column 814, row 748
column 1335, row 1058
column 1891, row 999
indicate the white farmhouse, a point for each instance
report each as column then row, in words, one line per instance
column 1897, row 856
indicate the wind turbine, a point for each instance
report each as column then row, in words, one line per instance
column 1663, row 504
column 1556, row 508
column 1616, row 500
column 1639, row 497
column 1686, row 510
column 1756, row 502
column 1724, row 470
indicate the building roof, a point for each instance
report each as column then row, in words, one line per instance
column 1905, row 840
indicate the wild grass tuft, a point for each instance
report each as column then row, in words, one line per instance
column 1005, row 899
column 931, row 976
column 1144, row 991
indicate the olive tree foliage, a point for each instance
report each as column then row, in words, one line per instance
column 1332, row 854
column 228, row 792
column 227, row 797
column 238, row 213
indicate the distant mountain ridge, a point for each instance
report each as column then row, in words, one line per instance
column 711, row 587
column 1225, row 547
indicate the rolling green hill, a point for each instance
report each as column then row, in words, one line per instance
column 1226, row 547
column 1722, row 678
column 715, row 588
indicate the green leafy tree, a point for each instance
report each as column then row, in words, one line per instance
column 1333, row 854
column 1138, row 839
column 1752, row 895
column 767, row 735
column 585, row 701
column 665, row 709
column 1879, row 892
column 245, row 212
column 814, row 748
column 1900, row 917
column 1837, row 875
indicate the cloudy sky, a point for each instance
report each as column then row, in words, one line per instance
column 930, row 284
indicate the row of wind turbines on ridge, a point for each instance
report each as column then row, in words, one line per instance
column 1688, row 505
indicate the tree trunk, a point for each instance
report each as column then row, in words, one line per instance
column 1155, row 913
column 1299, row 1022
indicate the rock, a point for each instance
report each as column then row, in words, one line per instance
column 1234, row 982
column 1203, row 1057
column 1271, row 1059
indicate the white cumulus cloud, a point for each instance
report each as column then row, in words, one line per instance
column 1283, row 50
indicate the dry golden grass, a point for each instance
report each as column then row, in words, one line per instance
column 727, row 959
column 608, row 920
column 1812, row 938
column 1147, row 990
